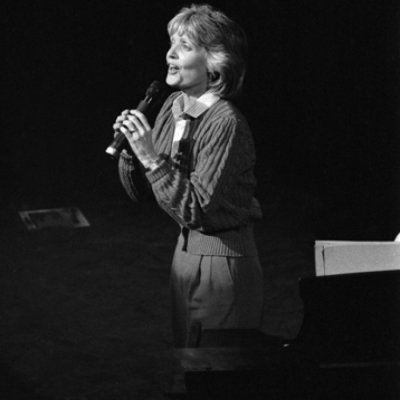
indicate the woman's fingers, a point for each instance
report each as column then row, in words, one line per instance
column 133, row 124
column 119, row 120
column 117, row 125
column 142, row 118
column 122, row 116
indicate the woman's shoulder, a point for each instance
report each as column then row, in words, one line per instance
column 226, row 110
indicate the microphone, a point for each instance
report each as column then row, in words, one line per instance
column 154, row 93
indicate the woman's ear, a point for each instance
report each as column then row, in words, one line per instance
column 213, row 76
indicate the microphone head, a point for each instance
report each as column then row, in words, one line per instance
column 155, row 89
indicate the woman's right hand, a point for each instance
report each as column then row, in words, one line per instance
column 118, row 122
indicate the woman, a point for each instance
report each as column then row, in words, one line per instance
column 199, row 159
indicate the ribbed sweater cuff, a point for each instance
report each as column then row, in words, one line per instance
column 162, row 170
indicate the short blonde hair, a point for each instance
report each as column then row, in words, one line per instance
column 224, row 41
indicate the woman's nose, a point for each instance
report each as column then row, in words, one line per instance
column 171, row 53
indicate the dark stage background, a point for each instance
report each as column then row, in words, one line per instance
column 84, row 314
column 321, row 96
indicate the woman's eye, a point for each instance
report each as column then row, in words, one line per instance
column 186, row 46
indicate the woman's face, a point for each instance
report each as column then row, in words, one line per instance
column 187, row 69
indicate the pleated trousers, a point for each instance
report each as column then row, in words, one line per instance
column 219, row 292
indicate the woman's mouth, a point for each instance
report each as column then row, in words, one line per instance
column 173, row 69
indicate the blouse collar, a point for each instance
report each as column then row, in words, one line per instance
column 183, row 106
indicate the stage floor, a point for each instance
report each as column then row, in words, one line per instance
column 84, row 312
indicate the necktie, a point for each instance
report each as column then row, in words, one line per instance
column 181, row 122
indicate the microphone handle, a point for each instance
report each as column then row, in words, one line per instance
column 115, row 147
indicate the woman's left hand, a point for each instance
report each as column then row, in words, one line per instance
column 137, row 130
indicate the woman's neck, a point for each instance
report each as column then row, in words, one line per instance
column 192, row 96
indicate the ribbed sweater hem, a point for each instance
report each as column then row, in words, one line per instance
column 234, row 243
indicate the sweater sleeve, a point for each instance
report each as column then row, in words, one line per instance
column 132, row 177
column 190, row 200
column 130, row 170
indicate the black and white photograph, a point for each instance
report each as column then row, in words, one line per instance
column 200, row 200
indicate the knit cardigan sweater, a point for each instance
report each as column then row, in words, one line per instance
column 208, row 186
